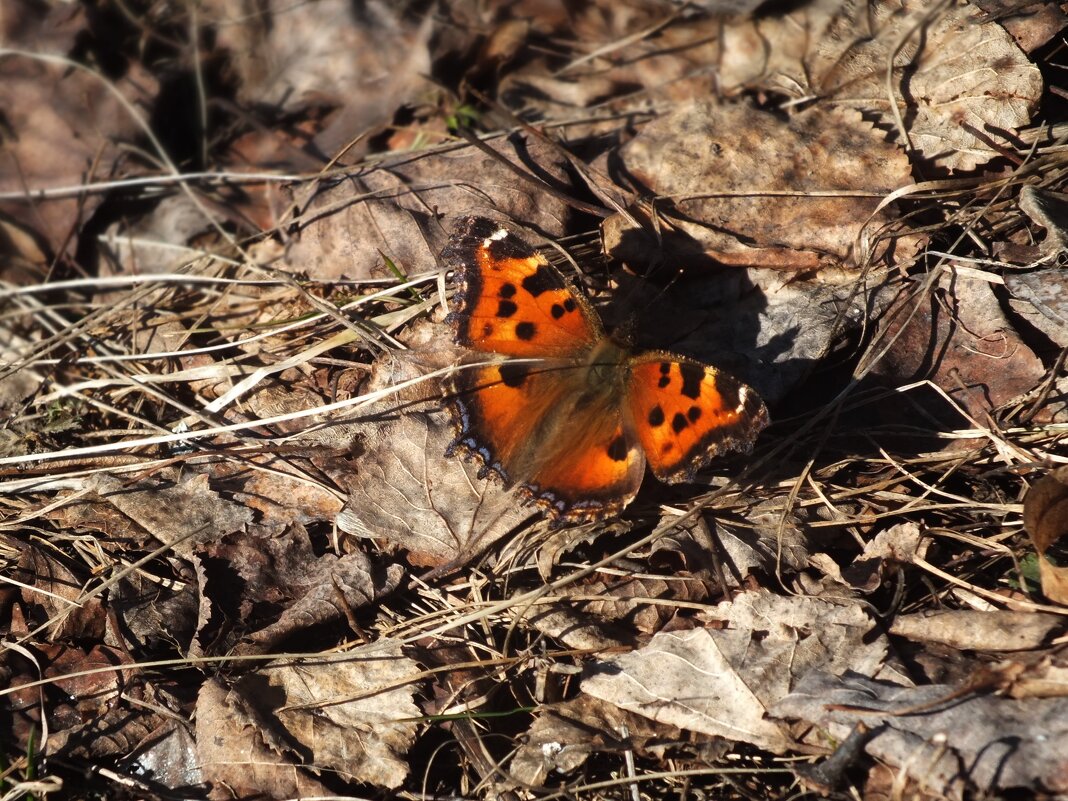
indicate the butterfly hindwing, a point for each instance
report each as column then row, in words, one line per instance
column 597, row 476
column 686, row 412
column 511, row 300
column 526, row 423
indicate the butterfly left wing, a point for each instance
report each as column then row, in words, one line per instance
column 686, row 412
column 529, row 424
column 511, row 300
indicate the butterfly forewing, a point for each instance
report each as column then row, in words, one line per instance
column 511, row 300
column 686, row 412
column 498, row 407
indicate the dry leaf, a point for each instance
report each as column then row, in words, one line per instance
column 369, row 59
column 1046, row 521
column 332, row 589
column 52, row 593
column 552, row 745
column 959, row 79
column 351, row 715
column 684, row 680
column 897, row 545
column 960, row 339
column 727, row 167
column 63, row 126
column 1048, row 678
column 773, row 641
column 234, row 756
column 406, row 490
column 170, row 757
column 964, row 747
column 173, row 513
column 410, row 494
column 564, row 735
column 967, row 629
column 1031, row 24
column 406, row 206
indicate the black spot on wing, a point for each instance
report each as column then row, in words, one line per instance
column 513, row 375
column 692, row 375
column 557, row 311
column 507, row 246
column 544, row 279
column 694, row 414
column 525, row 331
column 665, row 375
column 679, row 423
column 506, row 308
column 730, row 391
column 617, row 449
column 656, row 416
column 507, row 290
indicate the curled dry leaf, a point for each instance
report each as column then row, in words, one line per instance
column 977, row 745
column 392, row 208
column 1046, row 521
column 564, row 735
column 552, row 744
column 751, row 189
column 895, row 546
column 960, row 339
column 959, row 78
column 968, row 629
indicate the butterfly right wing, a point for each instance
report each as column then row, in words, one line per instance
column 511, row 300
column 686, row 412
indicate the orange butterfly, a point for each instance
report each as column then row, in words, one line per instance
column 566, row 412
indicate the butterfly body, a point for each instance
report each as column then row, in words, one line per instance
column 558, row 407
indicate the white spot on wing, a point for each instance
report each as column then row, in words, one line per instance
column 743, row 393
column 497, row 236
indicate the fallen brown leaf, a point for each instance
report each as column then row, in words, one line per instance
column 1046, row 521
column 974, row 745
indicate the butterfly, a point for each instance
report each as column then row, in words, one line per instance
column 558, row 407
